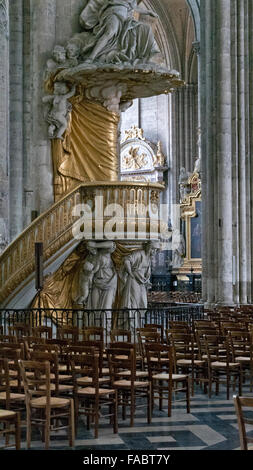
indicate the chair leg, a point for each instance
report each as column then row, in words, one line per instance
column 28, row 429
column 228, row 384
column 115, row 419
column 188, row 395
column 132, row 408
column 71, row 424
column 149, row 413
column 96, row 420
column 169, row 400
column 17, row 431
column 47, row 428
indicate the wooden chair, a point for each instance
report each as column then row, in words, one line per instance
column 8, row 399
column 130, row 388
column 21, row 329
column 140, row 374
column 8, row 339
column 160, row 369
column 89, row 395
column 13, row 356
column 40, row 402
column 240, row 403
column 186, row 358
column 29, row 343
column 120, row 335
column 220, row 363
column 10, row 419
column 242, row 352
column 69, row 333
column 95, row 333
column 57, row 381
column 157, row 327
column 145, row 335
column 43, row 332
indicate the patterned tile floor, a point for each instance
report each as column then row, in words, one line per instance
column 211, row 425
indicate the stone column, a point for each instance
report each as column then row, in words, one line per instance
column 4, row 119
column 16, row 118
column 184, row 131
column 226, row 122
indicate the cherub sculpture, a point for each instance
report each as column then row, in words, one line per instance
column 59, row 108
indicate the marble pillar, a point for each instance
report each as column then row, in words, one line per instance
column 4, row 118
column 226, row 116
column 16, row 118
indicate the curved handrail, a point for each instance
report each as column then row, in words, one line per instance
column 54, row 228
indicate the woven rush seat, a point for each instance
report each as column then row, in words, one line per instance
column 13, row 396
column 224, row 364
column 6, row 413
column 61, row 378
column 165, row 376
column 188, row 362
column 127, row 383
column 55, row 402
column 88, row 380
column 61, row 387
column 92, row 391
column 243, row 359
column 139, row 373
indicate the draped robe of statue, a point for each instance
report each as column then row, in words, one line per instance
column 135, row 275
column 131, row 39
column 104, row 287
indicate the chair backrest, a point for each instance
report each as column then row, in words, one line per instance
column 69, row 333
column 240, row 403
column 36, row 380
column 21, row 329
column 13, row 347
column 240, row 342
column 159, row 358
column 120, row 360
column 116, row 334
column 5, row 381
column 52, row 358
column 183, row 346
column 86, row 365
column 217, row 348
column 43, row 332
column 8, row 339
column 157, row 327
column 95, row 333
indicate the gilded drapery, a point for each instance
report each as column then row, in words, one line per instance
column 88, row 152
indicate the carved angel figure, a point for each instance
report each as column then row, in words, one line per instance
column 59, row 109
column 114, row 34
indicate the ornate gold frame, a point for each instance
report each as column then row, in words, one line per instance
column 188, row 211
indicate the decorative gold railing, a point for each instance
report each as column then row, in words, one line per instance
column 54, row 227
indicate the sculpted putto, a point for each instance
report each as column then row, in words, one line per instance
column 59, row 108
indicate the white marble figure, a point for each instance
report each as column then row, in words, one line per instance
column 59, row 108
column 116, row 36
column 178, row 251
column 135, row 276
column 86, row 276
column 104, row 285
